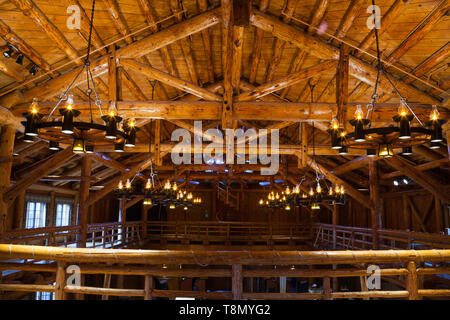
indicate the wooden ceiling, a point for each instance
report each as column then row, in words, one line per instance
column 413, row 38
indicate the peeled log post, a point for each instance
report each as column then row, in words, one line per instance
column 148, row 287
column 412, row 281
column 86, row 165
column 60, row 280
column 6, row 150
column 375, row 200
column 237, row 282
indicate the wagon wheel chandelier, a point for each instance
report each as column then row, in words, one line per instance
column 154, row 193
column 83, row 136
column 381, row 141
column 322, row 192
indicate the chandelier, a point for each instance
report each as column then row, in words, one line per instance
column 322, row 192
column 381, row 141
column 170, row 195
column 83, row 136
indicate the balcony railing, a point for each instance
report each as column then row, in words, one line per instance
column 352, row 238
column 407, row 266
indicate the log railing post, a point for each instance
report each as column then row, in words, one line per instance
column 148, row 287
column 326, row 288
column 237, row 281
column 60, row 280
column 6, row 150
column 106, row 284
column 412, row 281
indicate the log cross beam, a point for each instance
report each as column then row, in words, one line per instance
column 419, row 177
column 311, row 44
column 53, row 162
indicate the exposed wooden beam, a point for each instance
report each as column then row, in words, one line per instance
column 136, row 49
column 7, row 134
column 421, row 167
column 30, row 9
column 243, row 110
column 11, row 37
column 53, row 162
column 280, row 44
column 342, row 85
column 375, row 210
column 317, row 15
column 353, row 11
column 257, row 45
column 185, row 43
column 419, row 177
column 169, row 79
column 227, row 62
column 286, row 81
column 358, row 68
column 203, row 6
column 83, row 207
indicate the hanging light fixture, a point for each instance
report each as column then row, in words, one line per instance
column 385, row 150
column 54, row 146
column 401, row 136
column 78, row 146
column 34, row 120
column 9, row 53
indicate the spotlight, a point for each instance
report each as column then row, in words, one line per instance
column 19, row 59
column 371, row 152
column 53, row 145
column 396, row 183
column 405, row 181
column 343, row 150
column 9, row 53
column 33, row 70
column 407, row 151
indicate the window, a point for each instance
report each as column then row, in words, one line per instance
column 63, row 214
column 36, row 214
column 45, row 295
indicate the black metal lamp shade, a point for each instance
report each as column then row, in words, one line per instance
column 67, row 123
column 359, row 124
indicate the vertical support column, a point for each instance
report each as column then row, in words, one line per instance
column 335, row 218
column 148, row 287
column 19, row 210
column 326, row 288
column 342, row 84
column 412, row 281
column 83, row 208
column 237, row 281
column 106, row 284
column 51, row 209
column 282, row 284
column 60, row 281
column 227, row 63
column 304, row 150
column 158, row 161
column 438, row 214
column 375, row 199
column 6, row 151
column 144, row 219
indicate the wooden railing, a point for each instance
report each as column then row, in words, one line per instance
column 353, row 238
column 104, row 235
column 408, row 266
column 226, row 231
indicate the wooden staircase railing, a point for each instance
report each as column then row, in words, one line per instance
column 408, row 265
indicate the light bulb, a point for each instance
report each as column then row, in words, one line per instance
column 261, row 202
column 434, row 115
column 311, row 192
column 34, row 106
column 334, row 124
column 287, row 208
column 172, row 206
column 318, row 188
column 337, row 189
column 120, row 185
column 402, row 110
column 69, row 102
column 128, row 184
column 342, row 190
column 149, row 184
column 358, row 112
column 288, row 191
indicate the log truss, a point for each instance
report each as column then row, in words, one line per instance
column 228, row 94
